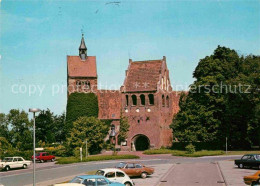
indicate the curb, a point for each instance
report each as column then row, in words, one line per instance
column 164, row 176
column 222, row 174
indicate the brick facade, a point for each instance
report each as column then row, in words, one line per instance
column 145, row 98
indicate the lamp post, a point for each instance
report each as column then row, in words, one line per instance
column 34, row 110
column 113, row 135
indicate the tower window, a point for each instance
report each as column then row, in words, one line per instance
column 151, row 99
column 163, row 101
column 86, row 85
column 126, row 97
column 167, row 101
column 78, row 84
column 142, row 97
column 134, row 100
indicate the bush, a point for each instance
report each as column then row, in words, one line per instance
column 198, row 153
column 57, row 151
column 95, row 158
column 25, row 154
column 158, row 151
column 190, row 149
column 198, row 145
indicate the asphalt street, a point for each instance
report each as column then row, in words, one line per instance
column 50, row 171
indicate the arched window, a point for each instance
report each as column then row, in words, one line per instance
column 151, row 99
column 167, row 101
column 78, row 84
column 134, row 100
column 163, row 101
column 142, row 97
column 86, row 85
column 126, row 97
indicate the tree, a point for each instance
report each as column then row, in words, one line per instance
column 4, row 127
column 124, row 128
column 21, row 129
column 91, row 129
column 79, row 105
column 218, row 105
column 45, row 128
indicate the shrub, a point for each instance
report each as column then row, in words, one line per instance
column 190, row 149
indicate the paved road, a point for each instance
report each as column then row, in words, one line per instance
column 49, row 171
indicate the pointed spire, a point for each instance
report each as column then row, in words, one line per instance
column 82, row 44
column 82, row 49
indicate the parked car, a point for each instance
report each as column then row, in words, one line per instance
column 135, row 169
column 43, row 157
column 253, row 179
column 14, row 162
column 115, row 175
column 90, row 180
column 249, row 160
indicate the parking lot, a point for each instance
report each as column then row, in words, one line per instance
column 232, row 174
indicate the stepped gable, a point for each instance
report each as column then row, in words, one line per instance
column 143, row 75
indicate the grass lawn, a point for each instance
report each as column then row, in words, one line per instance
column 197, row 153
column 184, row 153
column 242, row 152
column 68, row 160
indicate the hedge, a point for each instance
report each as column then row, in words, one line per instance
column 198, row 145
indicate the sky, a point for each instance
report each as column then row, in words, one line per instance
column 36, row 37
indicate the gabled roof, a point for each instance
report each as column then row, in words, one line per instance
column 82, row 68
column 143, row 75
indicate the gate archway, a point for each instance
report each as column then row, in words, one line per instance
column 141, row 142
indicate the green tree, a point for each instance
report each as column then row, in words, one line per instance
column 20, row 129
column 45, row 127
column 4, row 132
column 124, row 128
column 216, row 107
column 79, row 105
column 91, row 129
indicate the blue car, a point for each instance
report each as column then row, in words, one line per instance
column 90, row 180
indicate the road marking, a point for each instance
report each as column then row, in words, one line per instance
column 77, row 164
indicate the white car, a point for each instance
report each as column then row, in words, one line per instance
column 14, row 162
column 116, row 175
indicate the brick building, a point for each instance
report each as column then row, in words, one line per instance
column 145, row 98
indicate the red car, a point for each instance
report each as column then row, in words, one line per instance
column 43, row 156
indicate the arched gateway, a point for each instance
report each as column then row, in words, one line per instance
column 140, row 142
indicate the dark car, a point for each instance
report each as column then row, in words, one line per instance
column 249, row 160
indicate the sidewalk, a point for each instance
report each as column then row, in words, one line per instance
column 232, row 174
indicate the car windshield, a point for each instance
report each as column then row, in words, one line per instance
column 8, row 159
column 121, row 165
column 37, row 154
column 76, row 180
column 257, row 157
column 100, row 172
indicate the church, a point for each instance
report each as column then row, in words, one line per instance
column 146, row 99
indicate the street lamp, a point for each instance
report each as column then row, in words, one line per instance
column 34, row 110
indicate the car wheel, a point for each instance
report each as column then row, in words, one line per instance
column 241, row 166
column 24, row 166
column 53, row 160
column 42, row 161
column 128, row 184
column 144, row 175
column 7, row 168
